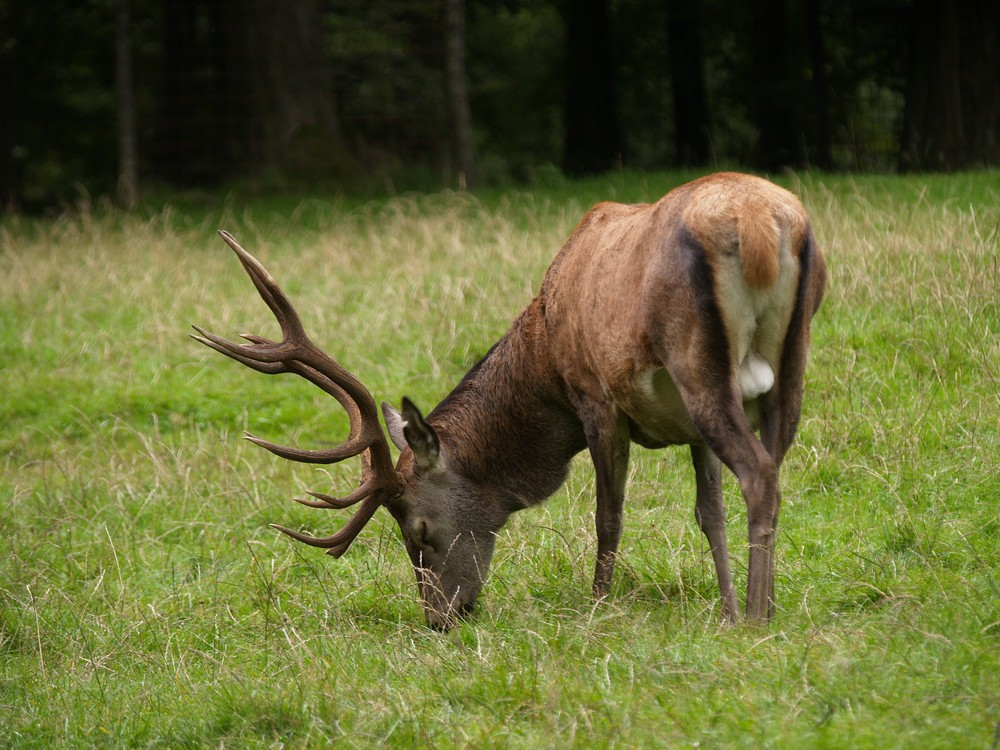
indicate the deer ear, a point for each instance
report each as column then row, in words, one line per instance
column 420, row 436
column 395, row 423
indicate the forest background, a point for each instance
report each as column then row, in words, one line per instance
column 144, row 600
column 104, row 97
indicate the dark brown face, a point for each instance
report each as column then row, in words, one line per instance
column 449, row 583
column 449, row 523
column 449, row 544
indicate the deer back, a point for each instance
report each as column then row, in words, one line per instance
column 709, row 273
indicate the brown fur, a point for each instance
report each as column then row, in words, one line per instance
column 620, row 301
column 684, row 321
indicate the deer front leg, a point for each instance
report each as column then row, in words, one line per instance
column 608, row 441
column 711, row 516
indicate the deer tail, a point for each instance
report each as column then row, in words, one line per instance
column 760, row 242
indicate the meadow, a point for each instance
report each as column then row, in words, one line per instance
column 146, row 602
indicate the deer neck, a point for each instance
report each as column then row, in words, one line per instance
column 508, row 426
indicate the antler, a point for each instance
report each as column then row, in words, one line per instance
column 295, row 353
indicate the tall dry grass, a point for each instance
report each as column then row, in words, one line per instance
column 144, row 601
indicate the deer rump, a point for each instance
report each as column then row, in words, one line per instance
column 685, row 321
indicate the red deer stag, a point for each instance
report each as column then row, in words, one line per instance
column 684, row 321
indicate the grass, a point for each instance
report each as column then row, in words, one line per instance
column 145, row 602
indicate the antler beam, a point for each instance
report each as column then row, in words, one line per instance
column 297, row 354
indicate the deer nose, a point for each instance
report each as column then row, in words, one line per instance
column 443, row 622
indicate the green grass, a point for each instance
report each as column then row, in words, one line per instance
column 145, row 602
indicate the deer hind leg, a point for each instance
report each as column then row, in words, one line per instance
column 729, row 435
column 780, row 409
column 711, row 516
column 717, row 413
column 608, row 440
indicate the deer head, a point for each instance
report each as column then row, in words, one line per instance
column 450, row 549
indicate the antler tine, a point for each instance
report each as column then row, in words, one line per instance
column 321, row 504
column 270, row 292
column 358, row 440
column 328, row 501
column 337, row 544
column 365, row 434
column 235, row 351
column 370, row 483
column 338, row 503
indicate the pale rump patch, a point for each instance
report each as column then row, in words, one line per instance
column 756, row 376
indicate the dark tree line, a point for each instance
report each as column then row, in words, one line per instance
column 952, row 113
column 113, row 93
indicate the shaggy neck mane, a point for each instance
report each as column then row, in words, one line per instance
column 507, row 424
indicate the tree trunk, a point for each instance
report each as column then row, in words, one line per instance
column 458, row 96
column 280, row 85
column 593, row 128
column 246, row 88
column 772, row 106
column 190, row 145
column 821, row 148
column 10, row 181
column 952, row 115
column 688, row 79
column 128, row 156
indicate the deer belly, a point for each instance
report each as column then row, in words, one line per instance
column 656, row 412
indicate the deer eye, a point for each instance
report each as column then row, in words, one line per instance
column 422, row 532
